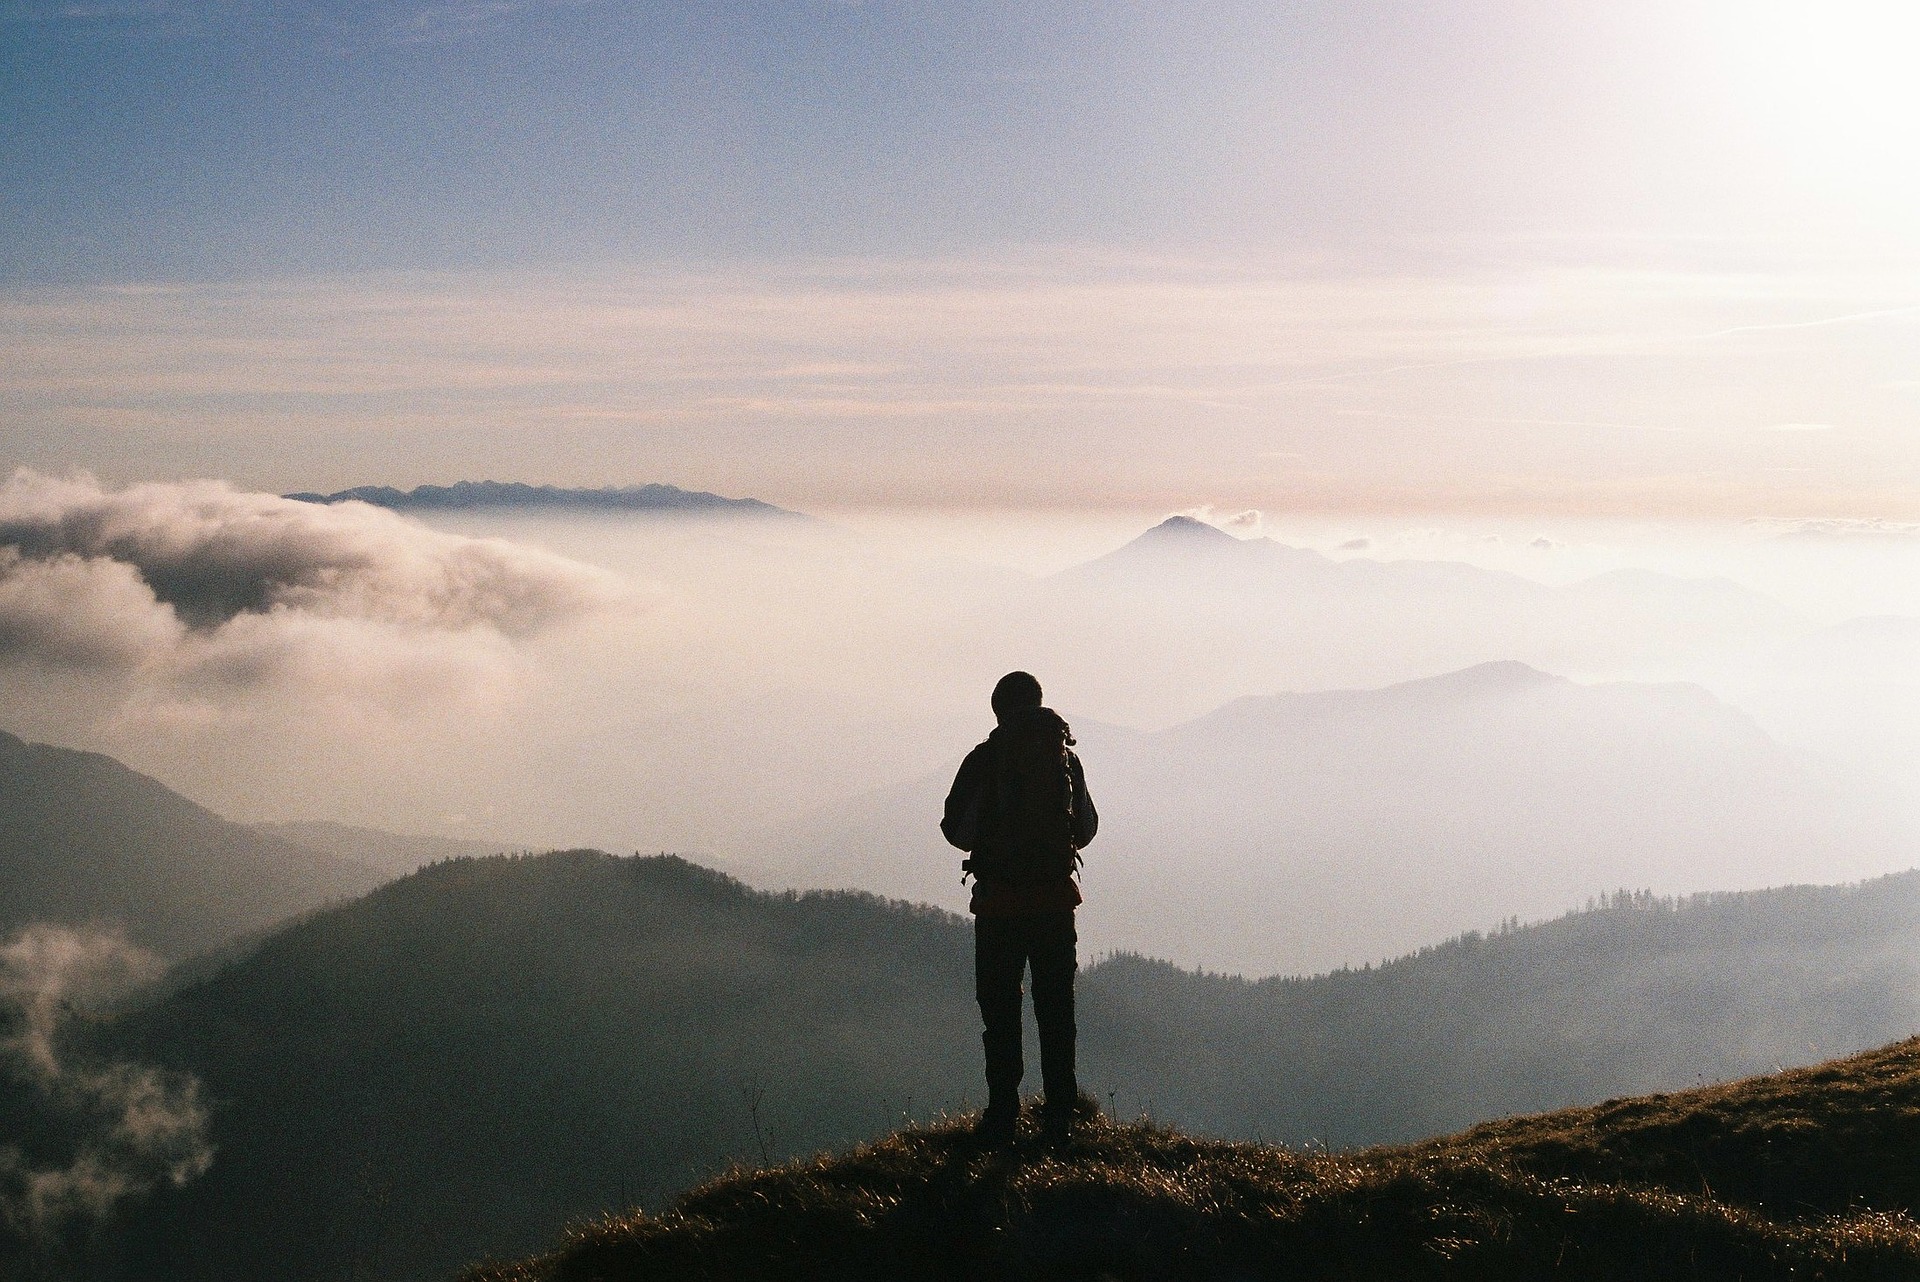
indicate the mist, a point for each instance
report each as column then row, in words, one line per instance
column 125, row 1129
column 786, row 699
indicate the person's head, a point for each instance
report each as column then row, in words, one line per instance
column 1015, row 692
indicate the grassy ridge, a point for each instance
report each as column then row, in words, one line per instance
column 1816, row 1140
column 1802, row 1175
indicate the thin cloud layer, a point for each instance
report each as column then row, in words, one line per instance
column 1588, row 382
column 1842, row 528
column 200, row 590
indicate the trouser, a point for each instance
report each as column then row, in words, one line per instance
column 1003, row 947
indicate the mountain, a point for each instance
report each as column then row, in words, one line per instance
column 1232, row 616
column 463, row 496
column 393, row 854
column 1189, row 556
column 1799, row 1175
column 459, row 1063
column 84, row 840
column 1298, row 832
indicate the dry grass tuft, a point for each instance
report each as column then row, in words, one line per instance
column 1804, row 1175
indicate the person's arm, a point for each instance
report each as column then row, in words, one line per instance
column 1086, row 820
column 960, row 824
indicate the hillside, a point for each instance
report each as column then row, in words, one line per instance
column 1302, row 831
column 1637, row 995
column 1800, row 1175
column 491, row 1047
column 85, row 840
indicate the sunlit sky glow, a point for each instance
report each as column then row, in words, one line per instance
column 1484, row 257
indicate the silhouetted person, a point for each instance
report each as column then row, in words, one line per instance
column 1019, row 806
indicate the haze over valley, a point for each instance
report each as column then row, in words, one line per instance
column 1315, row 750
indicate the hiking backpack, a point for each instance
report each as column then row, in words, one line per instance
column 1026, row 804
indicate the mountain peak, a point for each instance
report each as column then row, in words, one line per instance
column 1498, row 674
column 1185, row 530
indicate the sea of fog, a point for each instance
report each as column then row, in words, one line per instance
column 773, row 693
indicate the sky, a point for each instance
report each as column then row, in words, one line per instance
column 1477, row 257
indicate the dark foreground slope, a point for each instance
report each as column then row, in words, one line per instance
column 1802, row 1175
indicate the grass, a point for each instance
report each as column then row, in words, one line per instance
column 1802, row 1175
column 1812, row 1141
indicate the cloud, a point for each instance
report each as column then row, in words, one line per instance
column 1840, row 528
column 1246, row 524
column 201, row 591
column 1797, row 427
column 1356, row 545
column 130, row 1128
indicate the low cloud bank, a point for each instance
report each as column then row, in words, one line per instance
column 1841, row 528
column 197, row 590
column 133, row 1128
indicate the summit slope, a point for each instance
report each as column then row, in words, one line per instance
column 1799, row 1175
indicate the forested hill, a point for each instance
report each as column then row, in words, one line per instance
column 469, row 1056
column 459, row 1063
column 1636, row 994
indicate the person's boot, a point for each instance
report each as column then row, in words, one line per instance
column 999, row 1119
column 996, row 1127
column 1063, row 1104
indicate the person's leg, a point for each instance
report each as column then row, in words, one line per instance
column 1051, row 944
column 999, row 957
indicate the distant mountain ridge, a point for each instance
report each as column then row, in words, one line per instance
column 1186, row 543
column 1295, row 831
column 476, row 495
column 1234, row 616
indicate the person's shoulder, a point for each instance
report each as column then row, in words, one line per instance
column 975, row 756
